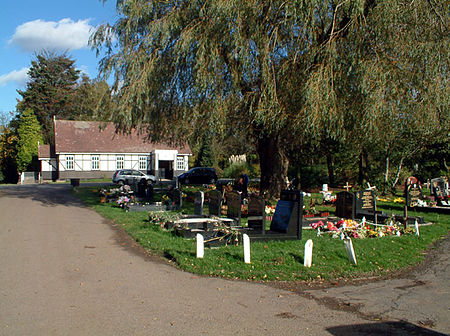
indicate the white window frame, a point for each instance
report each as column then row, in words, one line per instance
column 95, row 162
column 181, row 164
column 70, row 162
column 143, row 163
column 120, row 162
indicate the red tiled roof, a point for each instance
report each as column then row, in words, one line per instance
column 88, row 137
column 44, row 151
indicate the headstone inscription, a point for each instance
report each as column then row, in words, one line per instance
column 256, row 213
column 234, row 206
column 413, row 191
column 345, row 205
column 365, row 203
column 288, row 213
column 215, row 203
column 199, row 199
column 177, row 199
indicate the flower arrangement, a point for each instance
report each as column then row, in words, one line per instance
column 270, row 210
column 353, row 229
column 123, row 202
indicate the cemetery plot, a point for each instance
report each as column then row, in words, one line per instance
column 287, row 220
column 415, row 200
column 362, row 204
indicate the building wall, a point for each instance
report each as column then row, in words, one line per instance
column 103, row 165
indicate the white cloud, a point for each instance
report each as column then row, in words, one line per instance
column 65, row 35
column 18, row 76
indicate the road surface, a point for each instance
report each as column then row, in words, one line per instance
column 64, row 270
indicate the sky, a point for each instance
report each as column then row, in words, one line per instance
column 30, row 26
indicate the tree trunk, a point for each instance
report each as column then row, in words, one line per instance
column 399, row 170
column 386, row 175
column 274, row 165
column 330, row 167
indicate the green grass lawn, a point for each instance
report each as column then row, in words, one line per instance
column 280, row 260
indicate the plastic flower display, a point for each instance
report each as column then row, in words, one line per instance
column 353, row 229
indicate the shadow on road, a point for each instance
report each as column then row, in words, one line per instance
column 382, row 328
column 48, row 194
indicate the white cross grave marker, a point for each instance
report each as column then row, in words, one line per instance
column 200, row 246
column 350, row 251
column 308, row 253
column 416, row 224
column 246, row 248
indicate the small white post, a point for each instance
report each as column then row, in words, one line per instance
column 416, row 224
column 246, row 248
column 350, row 251
column 200, row 246
column 308, row 253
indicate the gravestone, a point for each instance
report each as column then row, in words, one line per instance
column 234, row 206
column 439, row 189
column 413, row 191
column 288, row 213
column 345, row 205
column 215, row 203
column 177, row 199
column 365, row 203
column 199, row 199
column 256, row 213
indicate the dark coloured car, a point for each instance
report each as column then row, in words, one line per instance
column 128, row 176
column 199, row 175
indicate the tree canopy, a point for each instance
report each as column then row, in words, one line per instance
column 50, row 90
column 284, row 72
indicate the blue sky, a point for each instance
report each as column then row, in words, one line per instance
column 28, row 26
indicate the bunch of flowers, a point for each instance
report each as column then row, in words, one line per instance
column 353, row 229
column 270, row 210
column 123, row 202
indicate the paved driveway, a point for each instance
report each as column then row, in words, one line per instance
column 64, row 270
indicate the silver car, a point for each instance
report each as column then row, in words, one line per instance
column 128, row 176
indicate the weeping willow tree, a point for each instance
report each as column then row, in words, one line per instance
column 279, row 71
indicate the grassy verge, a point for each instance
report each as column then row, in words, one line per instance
column 280, row 260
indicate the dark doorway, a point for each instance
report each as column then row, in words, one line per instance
column 166, row 170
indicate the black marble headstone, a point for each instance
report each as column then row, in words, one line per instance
column 256, row 213
column 199, row 199
column 413, row 191
column 215, row 203
column 177, row 199
column 234, row 206
column 288, row 213
column 345, row 205
column 365, row 202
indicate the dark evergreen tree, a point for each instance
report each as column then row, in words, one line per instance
column 50, row 90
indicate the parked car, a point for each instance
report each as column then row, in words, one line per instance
column 127, row 176
column 199, row 175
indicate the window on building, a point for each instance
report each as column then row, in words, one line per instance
column 119, row 162
column 180, row 163
column 95, row 162
column 143, row 162
column 69, row 162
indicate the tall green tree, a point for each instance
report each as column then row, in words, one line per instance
column 29, row 137
column 281, row 71
column 50, row 90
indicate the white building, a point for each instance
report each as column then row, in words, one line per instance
column 87, row 149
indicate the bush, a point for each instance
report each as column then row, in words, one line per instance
column 236, row 169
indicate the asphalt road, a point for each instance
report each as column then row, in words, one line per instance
column 64, row 270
